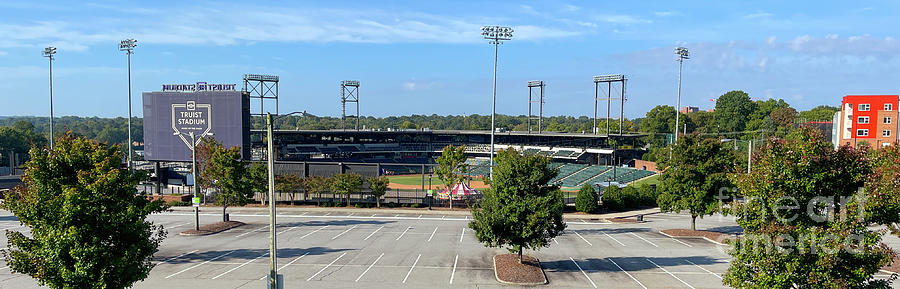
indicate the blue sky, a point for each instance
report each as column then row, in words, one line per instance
column 424, row 57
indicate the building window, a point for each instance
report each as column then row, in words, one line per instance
column 887, row 120
column 864, row 107
column 886, row 133
column 862, row 120
column 889, row 106
column 862, row 132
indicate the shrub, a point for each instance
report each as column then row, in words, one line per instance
column 178, row 203
column 586, row 200
column 613, row 199
column 647, row 195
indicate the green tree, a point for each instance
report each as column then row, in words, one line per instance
column 88, row 227
column 587, row 200
column 289, row 184
column 819, row 113
column 806, row 224
column 520, row 210
column 259, row 180
column 660, row 119
column 732, row 111
column 378, row 186
column 317, row 185
column 222, row 169
column 346, row 184
column 883, row 188
column 692, row 178
column 408, row 125
column 452, row 167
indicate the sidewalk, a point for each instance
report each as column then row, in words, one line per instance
column 392, row 211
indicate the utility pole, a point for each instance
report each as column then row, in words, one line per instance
column 496, row 35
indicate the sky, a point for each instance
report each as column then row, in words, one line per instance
column 428, row 57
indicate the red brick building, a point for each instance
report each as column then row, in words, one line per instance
column 869, row 118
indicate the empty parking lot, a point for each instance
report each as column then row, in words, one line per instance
column 376, row 250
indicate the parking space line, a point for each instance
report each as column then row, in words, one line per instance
column 683, row 243
column 420, row 216
column 373, row 233
column 239, row 266
column 642, row 238
column 670, row 273
column 198, row 265
column 304, row 213
column 585, row 240
column 462, row 234
column 348, row 230
column 252, row 231
column 411, row 268
column 626, row 273
column 370, row 267
column 454, row 269
column 432, row 234
column 329, row 214
column 176, row 226
column 326, row 267
column 614, row 239
column 582, row 272
column 351, row 214
column 373, row 215
column 404, row 233
column 288, row 230
column 173, row 258
column 285, row 265
column 397, row 215
column 704, row 269
column 310, row 233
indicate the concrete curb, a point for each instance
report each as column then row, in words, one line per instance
column 205, row 233
column 546, row 281
column 692, row 237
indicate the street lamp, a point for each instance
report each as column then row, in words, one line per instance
column 48, row 53
column 128, row 45
column 683, row 54
column 270, row 162
column 496, row 35
column 749, row 149
column 194, row 173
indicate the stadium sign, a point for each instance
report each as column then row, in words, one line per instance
column 191, row 118
column 199, row 86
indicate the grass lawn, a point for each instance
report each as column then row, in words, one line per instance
column 652, row 180
column 413, row 180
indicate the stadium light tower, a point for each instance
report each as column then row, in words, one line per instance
column 128, row 45
column 496, row 35
column 48, row 53
column 683, row 54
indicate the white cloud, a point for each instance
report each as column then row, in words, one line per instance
column 663, row 13
column 261, row 24
column 758, row 15
column 571, row 8
column 409, row 85
column 622, row 19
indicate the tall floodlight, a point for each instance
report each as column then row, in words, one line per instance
column 536, row 95
column 609, row 80
column 496, row 35
column 349, row 93
column 683, row 54
column 48, row 53
column 128, row 45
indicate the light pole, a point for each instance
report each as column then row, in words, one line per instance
column 270, row 163
column 496, row 35
column 128, row 45
column 683, row 54
column 48, row 53
column 749, row 150
column 194, row 173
